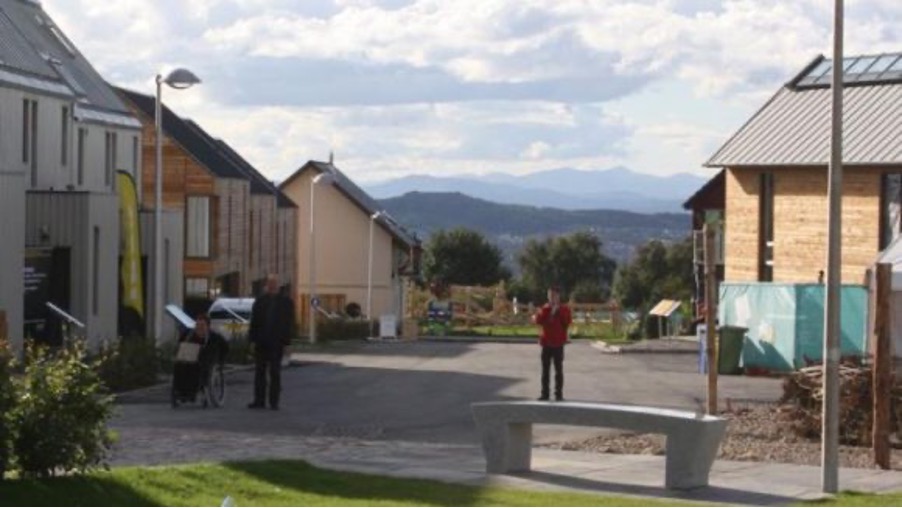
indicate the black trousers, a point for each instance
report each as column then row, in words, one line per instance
column 557, row 355
column 267, row 358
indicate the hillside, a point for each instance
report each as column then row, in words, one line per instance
column 567, row 189
column 509, row 226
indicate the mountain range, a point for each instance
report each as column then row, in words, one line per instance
column 617, row 188
column 510, row 226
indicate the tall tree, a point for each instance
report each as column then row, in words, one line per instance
column 575, row 262
column 658, row 271
column 463, row 256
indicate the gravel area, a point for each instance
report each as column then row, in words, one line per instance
column 753, row 434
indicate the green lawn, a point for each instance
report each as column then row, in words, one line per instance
column 275, row 483
column 860, row 499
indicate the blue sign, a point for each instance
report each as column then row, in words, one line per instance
column 315, row 302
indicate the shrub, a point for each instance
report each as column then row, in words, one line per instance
column 7, row 402
column 60, row 420
column 343, row 329
column 128, row 364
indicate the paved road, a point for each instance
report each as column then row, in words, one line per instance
column 404, row 392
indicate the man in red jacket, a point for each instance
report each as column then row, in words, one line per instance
column 554, row 318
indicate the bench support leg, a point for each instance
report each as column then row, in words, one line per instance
column 690, row 456
column 507, row 447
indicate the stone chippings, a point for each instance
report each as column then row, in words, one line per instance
column 753, row 434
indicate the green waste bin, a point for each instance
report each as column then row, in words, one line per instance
column 730, row 340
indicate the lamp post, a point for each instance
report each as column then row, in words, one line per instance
column 325, row 179
column 369, row 285
column 179, row 79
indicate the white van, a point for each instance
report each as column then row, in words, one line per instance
column 231, row 317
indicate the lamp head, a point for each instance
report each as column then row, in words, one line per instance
column 181, row 79
column 324, row 178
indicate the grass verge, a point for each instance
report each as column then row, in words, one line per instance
column 860, row 499
column 276, row 483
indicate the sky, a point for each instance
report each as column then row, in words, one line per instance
column 452, row 87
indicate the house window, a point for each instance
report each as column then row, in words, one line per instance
column 95, row 275
column 197, row 288
column 197, row 230
column 766, row 228
column 229, row 226
column 890, row 208
column 136, row 153
column 109, row 158
column 250, row 240
column 64, row 144
column 82, row 138
column 30, row 137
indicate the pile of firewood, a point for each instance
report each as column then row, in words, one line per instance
column 803, row 398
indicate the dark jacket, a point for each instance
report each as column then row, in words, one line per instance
column 213, row 350
column 272, row 321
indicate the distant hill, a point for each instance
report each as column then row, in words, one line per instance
column 509, row 226
column 567, row 189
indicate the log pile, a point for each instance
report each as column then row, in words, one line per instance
column 803, row 398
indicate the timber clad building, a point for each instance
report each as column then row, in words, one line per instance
column 774, row 178
column 232, row 214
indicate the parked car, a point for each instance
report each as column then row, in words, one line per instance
column 231, row 316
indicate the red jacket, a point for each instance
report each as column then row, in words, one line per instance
column 554, row 326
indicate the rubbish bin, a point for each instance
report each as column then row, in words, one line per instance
column 730, row 340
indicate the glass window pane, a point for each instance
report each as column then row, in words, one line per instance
column 198, row 226
column 883, row 63
column 861, row 65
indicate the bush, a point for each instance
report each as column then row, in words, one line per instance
column 60, row 421
column 343, row 329
column 128, row 364
column 7, row 402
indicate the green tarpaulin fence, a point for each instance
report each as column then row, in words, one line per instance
column 785, row 322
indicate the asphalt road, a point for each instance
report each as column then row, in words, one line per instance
column 417, row 392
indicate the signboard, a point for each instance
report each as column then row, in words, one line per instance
column 388, row 326
column 38, row 265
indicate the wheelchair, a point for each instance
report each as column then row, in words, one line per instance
column 199, row 373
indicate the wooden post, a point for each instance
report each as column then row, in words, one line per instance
column 711, row 318
column 882, row 367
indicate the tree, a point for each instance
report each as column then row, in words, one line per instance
column 463, row 256
column 658, row 271
column 574, row 262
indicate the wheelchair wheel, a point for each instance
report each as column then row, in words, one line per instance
column 215, row 389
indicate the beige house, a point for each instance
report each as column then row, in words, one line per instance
column 343, row 214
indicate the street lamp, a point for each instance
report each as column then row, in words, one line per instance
column 179, row 79
column 325, row 179
column 369, row 285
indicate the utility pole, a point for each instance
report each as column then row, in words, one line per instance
column 711, row 350
column 833, row 303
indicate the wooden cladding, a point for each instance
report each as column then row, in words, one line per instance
column 799, row 228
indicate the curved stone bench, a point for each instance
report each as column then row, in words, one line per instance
column 692, row 439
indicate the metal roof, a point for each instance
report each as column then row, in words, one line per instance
column 185, row 135
column 32, row 45
column 665, row 308
column 793, row 129
column 715, row 186
column 255, row 176
column 857, row 70
column 363, row 200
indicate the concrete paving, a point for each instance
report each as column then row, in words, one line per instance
column 403, row 409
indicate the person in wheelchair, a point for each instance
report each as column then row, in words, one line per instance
column 195, row 366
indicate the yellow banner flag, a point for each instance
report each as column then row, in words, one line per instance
column 132, row 293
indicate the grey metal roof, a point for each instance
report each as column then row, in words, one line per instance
column 793, row 129
column 182, row 132
column 32, row 45
column 363, row 200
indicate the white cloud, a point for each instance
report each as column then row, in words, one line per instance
column 397, row 86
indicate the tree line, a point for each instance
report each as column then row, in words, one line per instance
column 575, row 262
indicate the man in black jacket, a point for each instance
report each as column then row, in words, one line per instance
column 272, row 325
